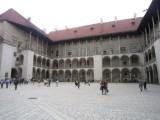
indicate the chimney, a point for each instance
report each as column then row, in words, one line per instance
column 29, row 19
column 66, row 27
column 115, row 18
column 135, row 16
column 101, row 20
column 55, row 29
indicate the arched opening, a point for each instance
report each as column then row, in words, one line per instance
column 125, row 75
column 82, row 75
column 90, row 62
column 116, row 75
column 34, row 60
column 135, row 74
column 74, row 75
column 44, row 62
column 34, row 72
column 149, row 55
column 90, row 75
column 146, row 57
column 61, row 76
column 134, row 60
column 48, row 63
column 115, row 61
column 155, row 73
column 43, row 74
column 61, row 64
column 82, row 62
column 38, row 74
column 124, row 60
column 68, row 75
column 19, row 73
column 55, row 64
column 39, row 61
column 147, row 74
column 68, row 63
column 153, row 53
column 106, row 62
column 107, row 75
column 151, row 74
column 54, row 75
column 75, row 63
column 14, row 73
column 21, row 57
column 47, row 74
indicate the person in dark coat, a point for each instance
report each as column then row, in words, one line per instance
column 145, row 85
column 16, row 83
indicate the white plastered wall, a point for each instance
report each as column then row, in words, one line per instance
column 27, row 64
column 7, row 59
column 157, row 50
column 98, row 67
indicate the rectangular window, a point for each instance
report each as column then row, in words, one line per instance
column 69, row 53
column 123, row 49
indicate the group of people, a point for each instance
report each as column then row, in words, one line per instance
column 104, row 86
column 142, row 84
column 8, row 81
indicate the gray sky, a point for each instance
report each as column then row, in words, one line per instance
column 48, row 14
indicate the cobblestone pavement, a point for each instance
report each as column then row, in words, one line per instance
column 67, row 102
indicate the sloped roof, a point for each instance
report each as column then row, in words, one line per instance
column 120, row 26
column 14, row 17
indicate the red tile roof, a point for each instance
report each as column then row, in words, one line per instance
column 12, row 16
column 121, row 26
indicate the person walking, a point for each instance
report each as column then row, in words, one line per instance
column 145, row 85
column 141, row 83
column 57, row 83
column 7, row 81
column 16, row 83
column 103, row 87
column 1, row 82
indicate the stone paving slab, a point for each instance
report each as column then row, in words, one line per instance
column 67, row 102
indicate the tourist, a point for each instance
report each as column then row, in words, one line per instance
column 145, row 85
column 15, row 83
column 141, row 83
column 2, row 82
column 57, row 83
column 104, row 86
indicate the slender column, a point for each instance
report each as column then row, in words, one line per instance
column 65, row 50
column 51, row 50
column 86, row 48
column 149, row 34
column 111, row 77
column 120, row 79
column 79, row 50
column 158, row 20
column 130, row 75
column 72, row 49
column 37, row 44
column 146, row 36
column 47, row 48
column 59, row 50
column 119, row 45
column 30, row 39
column 154, row 33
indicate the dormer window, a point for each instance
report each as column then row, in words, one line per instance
column 75, row 31
column 133, row 23
column 91, row 28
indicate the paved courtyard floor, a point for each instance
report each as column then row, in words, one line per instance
column 66, row 102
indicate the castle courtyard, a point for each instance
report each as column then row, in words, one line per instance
column 66, row 102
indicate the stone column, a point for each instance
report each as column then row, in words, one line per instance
column 154, row 33
column 158, row 20
column 146, row 36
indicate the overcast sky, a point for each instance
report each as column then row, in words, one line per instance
column 50, row 14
